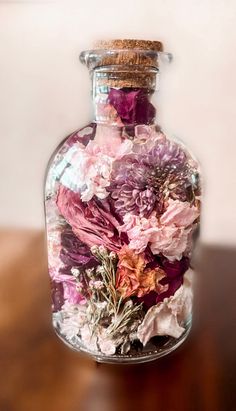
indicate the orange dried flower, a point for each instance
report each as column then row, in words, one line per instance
column 133, row 278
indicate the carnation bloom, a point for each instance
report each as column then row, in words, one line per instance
column 93, row 222
column 170, row 235
column 134, row 278
column 156, row 170
column 88, row 173
column 88, row 168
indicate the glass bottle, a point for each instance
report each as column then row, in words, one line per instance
column 122, row 204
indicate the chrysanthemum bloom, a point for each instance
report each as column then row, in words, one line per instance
column 158, row 169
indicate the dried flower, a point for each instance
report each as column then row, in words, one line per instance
column 170, row 235
column 71, row 293
column 143, row 181
column 75, row 272
column 176, row 228
column 74, row 254
column 133, row 278
column 88, row 339
column 132, row 106
column 167, row 317
column 57, row 293
column 83, row 135
column 87, row 170
column 139, row 230
column 92, row 222
column 107, row 346
column 97, row 285
column 74, row 318
column 70, row 327
column 174, row 271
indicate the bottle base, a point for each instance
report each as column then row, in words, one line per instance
column 158, row 347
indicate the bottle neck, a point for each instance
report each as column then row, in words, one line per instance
column 124, row 97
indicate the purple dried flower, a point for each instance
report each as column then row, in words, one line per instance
column 132, row 106
column 57, row 295
column 143, row 181
column 74, row 253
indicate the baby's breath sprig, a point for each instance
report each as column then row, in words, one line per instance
column 122, row 314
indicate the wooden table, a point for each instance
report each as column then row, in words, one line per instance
column 39, row 373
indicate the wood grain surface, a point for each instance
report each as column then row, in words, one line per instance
column 39, row 373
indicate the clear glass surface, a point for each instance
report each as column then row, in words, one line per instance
column 122, row 203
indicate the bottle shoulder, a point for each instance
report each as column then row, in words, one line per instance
column 59, row 158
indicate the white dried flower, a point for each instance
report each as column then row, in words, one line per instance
column 101, row 305
column 89, row 272
column 69, row 309
column 112, row 255
column 100, row 269
column 94, row 249
column 107, row 346
column 89, row 340
column 75, row 271
column 79, row 286
column 102, row 250
column 70, row 327
column 96, row 284
column 167, row 317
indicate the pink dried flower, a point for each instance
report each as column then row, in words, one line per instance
column 90, row 166
column 71, row 293
column 93, row 222
column 170, row 235
column 180, row 214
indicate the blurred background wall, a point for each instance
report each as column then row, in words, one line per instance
column 44, row 92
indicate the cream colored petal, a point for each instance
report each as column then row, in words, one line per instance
column 167, row 317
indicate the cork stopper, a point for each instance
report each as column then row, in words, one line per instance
column 127, row 63
column 130, row 52
column 129, row 44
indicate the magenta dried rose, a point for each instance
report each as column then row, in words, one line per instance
column 93, row 222
column 132, row 106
